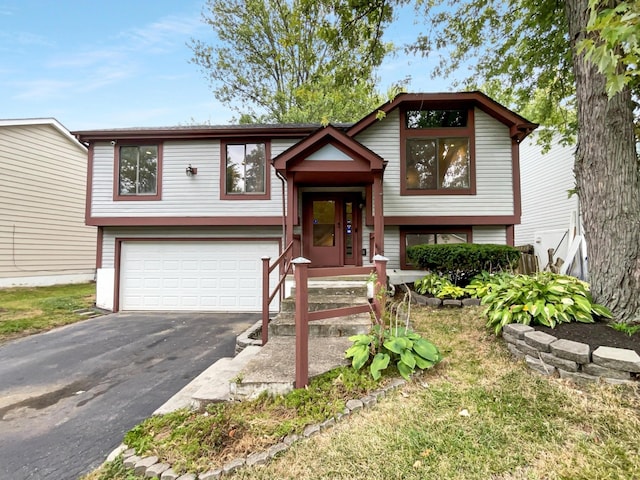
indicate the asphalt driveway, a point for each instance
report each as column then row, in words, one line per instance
column 68, row 396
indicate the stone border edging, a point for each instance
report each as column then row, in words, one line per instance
column 151, row 467
column 571, row 360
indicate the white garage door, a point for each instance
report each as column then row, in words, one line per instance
column 193, row 276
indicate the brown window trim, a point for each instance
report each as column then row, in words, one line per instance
column 449, row 132
column 466, row 229
column 116, row 173
column 223, row 171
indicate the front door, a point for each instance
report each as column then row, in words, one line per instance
column 331, row 226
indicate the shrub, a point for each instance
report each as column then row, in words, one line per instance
column 460, row 262
column 545, row 299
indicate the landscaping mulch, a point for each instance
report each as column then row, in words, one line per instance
column 598, row 334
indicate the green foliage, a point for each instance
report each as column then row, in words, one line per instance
column 298, row 61
column 438, row 286
column 614, row 46
column 625, row 328
column 465, row 260
column 545, row 299
column 482, row 283
column 401, row 347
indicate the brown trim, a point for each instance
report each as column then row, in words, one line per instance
column 510, row 232
column 183, row 221
column 201, row 132
column 329, row 135
column 451, row 220
column 89, row 186
column 369, row 204
column 116, row 172
column 519, row 126
column 223, row 170
column 118, row 253
column 465, row 229
column 99, row 246
column 437, row 133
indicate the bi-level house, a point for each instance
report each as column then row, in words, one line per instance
column 184, row 214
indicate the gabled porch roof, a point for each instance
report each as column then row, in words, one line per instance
column 329, row 156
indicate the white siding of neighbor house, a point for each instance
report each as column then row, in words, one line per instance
column 43, row 238
column 547, row 211
column 182, row 196
column 546, row 179
column 494, row 184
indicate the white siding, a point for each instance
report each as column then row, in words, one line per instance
column 111, row 233
column 182, row 196
column 392, row 247
column 489, row 234
column 494, row 181
column 43, row 238
column 546, row 179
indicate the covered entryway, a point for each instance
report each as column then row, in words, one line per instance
column 331, row 229
column 192, row 275
column 330, row 178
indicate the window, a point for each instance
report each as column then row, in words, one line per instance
column 412, row 237
column 437, row 163
column 138, row 170
column 437, row 152
column 245, row 171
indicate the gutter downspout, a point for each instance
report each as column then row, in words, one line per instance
column 284, row 210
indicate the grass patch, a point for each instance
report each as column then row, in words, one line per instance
column 477, row 415
column 25, row 311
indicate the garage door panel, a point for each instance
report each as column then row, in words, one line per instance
column 193, row 275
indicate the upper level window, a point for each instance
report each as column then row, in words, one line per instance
column 138, row 172
column 436, row 118
column 437, row 152
column 245, row 170
column 437, row 163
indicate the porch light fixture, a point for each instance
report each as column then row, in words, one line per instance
column 191, row 171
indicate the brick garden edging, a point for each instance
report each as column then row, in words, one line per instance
column 571, row 360
column 150, row 467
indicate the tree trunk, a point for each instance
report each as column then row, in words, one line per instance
column 607, row 180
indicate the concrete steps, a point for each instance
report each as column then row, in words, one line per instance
column 284, row 325
column 271, row 368
column 212, row 385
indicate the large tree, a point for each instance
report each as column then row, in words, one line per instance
column 552, row 52
column 294, row 60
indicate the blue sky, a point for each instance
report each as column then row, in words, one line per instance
column 125, row 63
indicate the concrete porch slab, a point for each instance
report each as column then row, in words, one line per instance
column 273, row 368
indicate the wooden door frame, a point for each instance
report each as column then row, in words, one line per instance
column 341, row 198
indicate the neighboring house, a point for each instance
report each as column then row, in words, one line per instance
column 43, row 236
column 550, row 217
column 184, row 214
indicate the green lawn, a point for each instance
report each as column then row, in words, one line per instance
column 477, row 415
column 24, row 311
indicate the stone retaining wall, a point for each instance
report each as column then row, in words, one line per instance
column 571, row 360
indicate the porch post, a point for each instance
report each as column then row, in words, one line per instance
column 265, row 299
column 378, row 215
column 291, row 209
column 300, row 266
column 380, row 285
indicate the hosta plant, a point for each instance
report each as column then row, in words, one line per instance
column 400, row 346
column 438, row 286
column 544, row 298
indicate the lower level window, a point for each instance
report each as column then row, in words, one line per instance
column 410, row 239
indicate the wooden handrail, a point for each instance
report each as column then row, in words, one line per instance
column 284, row 262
